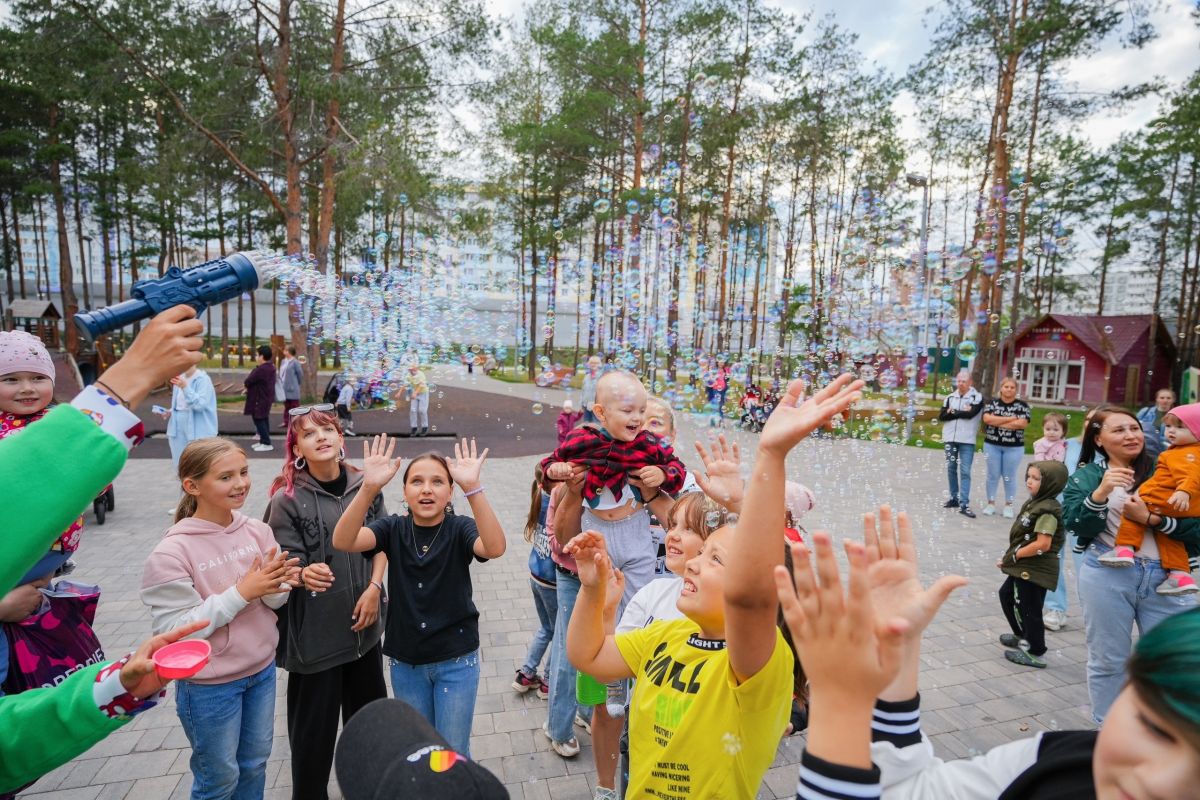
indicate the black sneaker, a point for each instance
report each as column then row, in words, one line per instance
column 1008, row 640
column 1025, row 658
column 967, row 512
column 951, row 503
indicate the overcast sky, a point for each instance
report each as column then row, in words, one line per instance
column 893, row 33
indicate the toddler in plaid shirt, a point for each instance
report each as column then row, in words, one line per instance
column 617, row 450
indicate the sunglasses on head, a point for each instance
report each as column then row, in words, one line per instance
column 300, row 411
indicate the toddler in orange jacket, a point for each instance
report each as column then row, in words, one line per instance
column 1172, row 492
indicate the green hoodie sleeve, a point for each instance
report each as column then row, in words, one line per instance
column 82, row 458
column 45, row 728
column 1081, row 517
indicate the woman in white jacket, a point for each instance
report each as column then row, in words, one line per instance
column 193, row 411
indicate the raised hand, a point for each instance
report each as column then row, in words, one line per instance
column 894, row 582
column 849, row 646
column 794, row 417
column 722, row 476
column 591, row 559
column 378, row 465
column 466, row 464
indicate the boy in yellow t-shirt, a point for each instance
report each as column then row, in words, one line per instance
column 714, row 690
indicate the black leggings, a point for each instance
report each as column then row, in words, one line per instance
column 1022, row 604
column 314, row 704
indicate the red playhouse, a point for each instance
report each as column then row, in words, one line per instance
column 1069, row 358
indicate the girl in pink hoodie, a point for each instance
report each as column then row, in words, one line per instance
column 217, row 564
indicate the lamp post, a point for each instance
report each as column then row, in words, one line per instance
column 910, row 411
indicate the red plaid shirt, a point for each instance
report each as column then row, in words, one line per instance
column 609, row 461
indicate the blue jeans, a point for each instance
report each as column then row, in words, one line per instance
column 959, row 457
column 1113, row 601
column 444, row 692
column 1057, row 600
column 1002, row 462
column 230, row 726
column 545, row 600
column 563, row 705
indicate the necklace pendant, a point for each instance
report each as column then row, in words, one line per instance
column 424, row 548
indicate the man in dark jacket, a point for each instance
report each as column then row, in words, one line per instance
column 260, row 394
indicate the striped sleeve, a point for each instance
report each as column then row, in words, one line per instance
column 824, row 780
column 898, row 723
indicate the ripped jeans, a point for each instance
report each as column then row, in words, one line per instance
column 444, row 692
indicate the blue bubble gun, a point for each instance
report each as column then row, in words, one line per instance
column 208, row 284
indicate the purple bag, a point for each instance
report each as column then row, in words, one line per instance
column 56, row 641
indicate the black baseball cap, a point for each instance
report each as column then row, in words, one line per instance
column 388, row 750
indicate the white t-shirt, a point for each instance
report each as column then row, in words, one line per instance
column 346, row 395
column 655, row 601
column 1116, row 504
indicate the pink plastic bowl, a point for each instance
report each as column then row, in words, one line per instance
column 184, row 659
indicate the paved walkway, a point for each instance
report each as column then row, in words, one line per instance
column 971, row 697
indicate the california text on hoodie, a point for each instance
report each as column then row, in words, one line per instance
column 318, row 628
column 192, row 574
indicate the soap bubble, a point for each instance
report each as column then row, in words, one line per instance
column 967, row 350
column 1108, row 328
column 601, row 206
column 537, row 409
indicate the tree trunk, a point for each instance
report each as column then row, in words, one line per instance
column 66, row 272
column 1145, row 392
column 986, row 363
column 328, row 181
column 16, row 221
column 84, row 265
column 1014, row 317
column 742, row 65
column 8, row 257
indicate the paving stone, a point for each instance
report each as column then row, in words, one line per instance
column 154, row 788
column 136, row 765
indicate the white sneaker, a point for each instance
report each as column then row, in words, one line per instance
column 1008, row 512
column 567, row 749
column 262, row 448
column 603, row 793
column 1054, row 620
column 583, row 723
column 989, row 510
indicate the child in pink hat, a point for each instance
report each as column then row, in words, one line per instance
column 26, row 392
column 1172, row 492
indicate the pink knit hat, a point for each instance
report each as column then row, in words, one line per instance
column 1189, row 415
column 798, row 499
column 24, row 352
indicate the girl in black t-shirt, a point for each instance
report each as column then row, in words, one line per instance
column 432, row 630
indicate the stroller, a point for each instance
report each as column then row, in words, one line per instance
column 752, row 413
column 105, row 501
